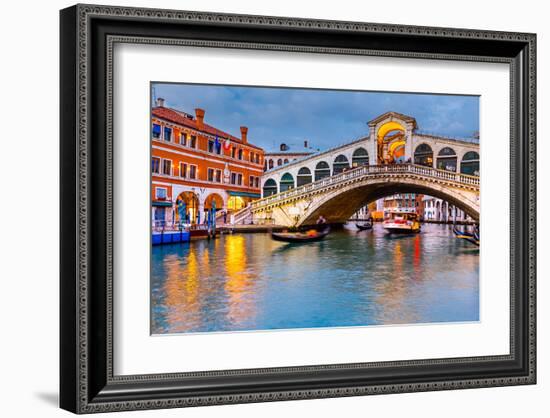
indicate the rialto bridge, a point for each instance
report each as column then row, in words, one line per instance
column 394, row 158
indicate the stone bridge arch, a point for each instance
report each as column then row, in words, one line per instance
column 338, row 205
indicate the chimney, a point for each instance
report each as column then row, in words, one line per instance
column 244, row 133
column 305, row 143
column 160, row 102
column 199, row 113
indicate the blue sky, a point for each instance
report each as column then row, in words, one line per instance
column 324, row 117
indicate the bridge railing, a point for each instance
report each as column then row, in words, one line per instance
column 366, row 170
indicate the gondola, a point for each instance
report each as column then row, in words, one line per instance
column 300, row 237
column 473, row 238
column 364, row 227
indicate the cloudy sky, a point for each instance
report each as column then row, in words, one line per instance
column 325, row 118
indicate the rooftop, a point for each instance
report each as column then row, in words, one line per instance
column 185, row 119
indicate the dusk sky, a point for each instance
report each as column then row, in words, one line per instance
column 325, row 118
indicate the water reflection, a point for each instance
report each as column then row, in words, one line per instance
column 249, row 282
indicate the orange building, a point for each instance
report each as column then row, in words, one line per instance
column 196, row 167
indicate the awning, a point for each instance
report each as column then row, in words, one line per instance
column 161, row 203
column 244, row 194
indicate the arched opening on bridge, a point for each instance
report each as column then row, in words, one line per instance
column 279, row 162
column 187, row 207
column 270, row 164
column 322, row 170
column 470, row 164
column 360, row 157
column 303, row 177
column 339, row 205
column 287, row 182
column 424, row 155
column 340, row 164
column 391, row 143
column 396, row 150
column 446, row 159
column 285, row 161
column 270, row 187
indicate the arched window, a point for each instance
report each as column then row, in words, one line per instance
column 270, row 164
column 213, row 201
column 303, row 177
column 446, row 159
column 340, row 164
column 187, row 208
column 287, row 182
column 285, row 161
column 322, row 170
column 470, row 164
column 279, row 162
column 423, row 155
column 360, row 157
column 270, row 187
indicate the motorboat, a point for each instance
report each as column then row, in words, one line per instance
column 402, row 222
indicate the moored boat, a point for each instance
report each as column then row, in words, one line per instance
column 470, row 237
column 364, row 227
column 402, row 222
column 300, row 237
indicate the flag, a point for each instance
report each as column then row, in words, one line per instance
column 227, row 144
column 218, row 144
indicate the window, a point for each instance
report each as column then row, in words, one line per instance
column 183, row 170
column 167, row 134
column 155, row 165
column 257, row 158
column 239, row 179
column 160, row 193
column 218, row 176
column 193, row 172
column 193, row 141
column 183, row 138
column 156, row 130
column 233, row 151
column 233, row 178
column 210, row 174
column 210, row 146
column 251, row 157
column 257, row 182
column 167, row 167
column 240, row 154
column 251, row 181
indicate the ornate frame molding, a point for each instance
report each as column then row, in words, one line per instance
column 79, row 387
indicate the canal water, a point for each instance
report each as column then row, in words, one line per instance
column 250, row 282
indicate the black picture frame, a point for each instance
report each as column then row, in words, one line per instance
column 87, row 35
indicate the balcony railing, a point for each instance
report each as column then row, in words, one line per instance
column 365, row 170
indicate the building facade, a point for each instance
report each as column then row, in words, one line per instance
column 405, row 201
column 197, row 168
column 286, row 154
column 437, row 210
